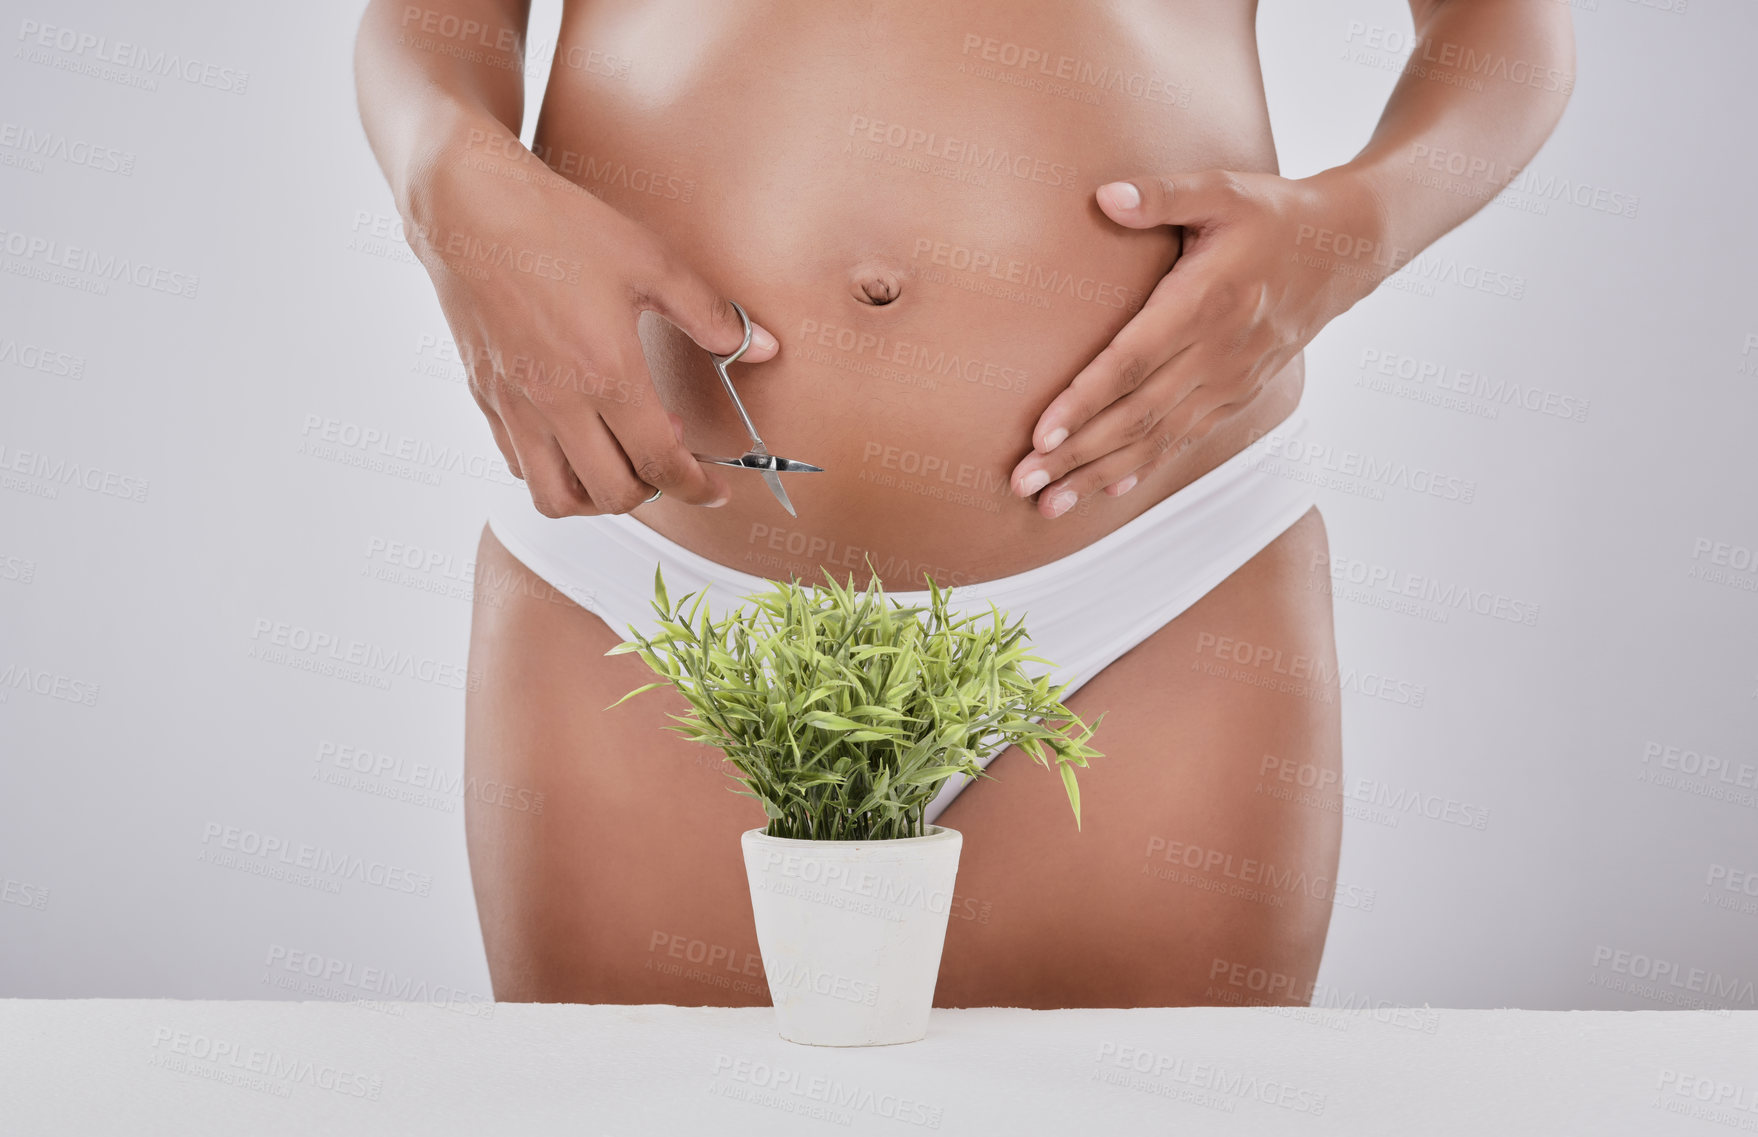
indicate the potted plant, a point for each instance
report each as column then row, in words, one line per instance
column 843, row 713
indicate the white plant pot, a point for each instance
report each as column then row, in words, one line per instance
column 851, row 932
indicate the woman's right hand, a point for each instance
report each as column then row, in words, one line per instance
column 542, row 285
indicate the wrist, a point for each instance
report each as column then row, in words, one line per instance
column 1363, row 234
column 451, row 139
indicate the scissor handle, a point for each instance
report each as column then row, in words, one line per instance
column 720, row 362
column 743, row 347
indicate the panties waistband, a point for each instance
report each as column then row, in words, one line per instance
column 559, row 549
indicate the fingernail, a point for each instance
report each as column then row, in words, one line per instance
column 1054, row 439
column 760, row 338
column 1124, row 195
column 1033, row 482
column 1061, row 502
column 1125, row 485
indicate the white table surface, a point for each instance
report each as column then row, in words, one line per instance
column 127, row 1066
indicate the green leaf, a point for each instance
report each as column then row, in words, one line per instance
column 844, row 711
column 636, row 691
column 824, row 720
column 933, row 775
column 1073, row 792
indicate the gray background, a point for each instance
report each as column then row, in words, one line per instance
column 1589, row 885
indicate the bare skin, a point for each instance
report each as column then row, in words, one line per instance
column 629, row 886
column 1009, row 308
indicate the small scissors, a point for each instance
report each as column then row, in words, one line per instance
column 758, row 457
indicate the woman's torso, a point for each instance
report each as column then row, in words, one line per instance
column 808, row 158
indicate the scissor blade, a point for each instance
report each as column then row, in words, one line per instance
column 763, row 462
column 774, row 481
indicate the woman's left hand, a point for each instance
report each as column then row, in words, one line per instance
column 1266, row 262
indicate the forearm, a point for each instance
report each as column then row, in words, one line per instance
column 429, row 72
column 1484, row 86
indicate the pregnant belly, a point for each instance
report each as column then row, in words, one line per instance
column 912, row 216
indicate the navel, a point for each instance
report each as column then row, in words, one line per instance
column 876, row 285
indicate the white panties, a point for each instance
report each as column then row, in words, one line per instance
column 1082, row 611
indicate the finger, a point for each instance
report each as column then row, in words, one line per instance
column 1227, row 387
column 1123, row 423
column 619, row 480
column 623, row 451
column 1202, row 429
column 1157, row 335
column 702, row 312
column 654, row 456
column 555, row 491
column 1164, row 328
column 598, row 464
column 1214, row 393
column 502, row 440
column 1122, row 469
column 1176, row 199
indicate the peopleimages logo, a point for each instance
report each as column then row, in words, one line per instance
column 930, row 360
column 863, row 882
column 962, row 151
column 278, row 641
column 49, row 684
column 35, row 357
column 1250, row 871
column 1665, row 980
column 1398, row 801
column 1461, row 63
column 317, row 859
column 1202, row 1075
column 385, row 451
column 276, row 1072
column 358, row 768
column 1713, row 1092
column 1711, row 767
column 1030, row 275
column 371, row 981
column 52, row 253
column 1495, row 391
column 795, row 977
column 1075, row 70
column 1435, row 269
column 792, row 1091
column 1447, row 596
column 37, row 145
column 92, row 48
column 1380, row 472
column 52, row 473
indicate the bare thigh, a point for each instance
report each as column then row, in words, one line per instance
column 1202, row 856
column 628, row 885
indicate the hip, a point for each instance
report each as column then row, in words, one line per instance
column 909, row 487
